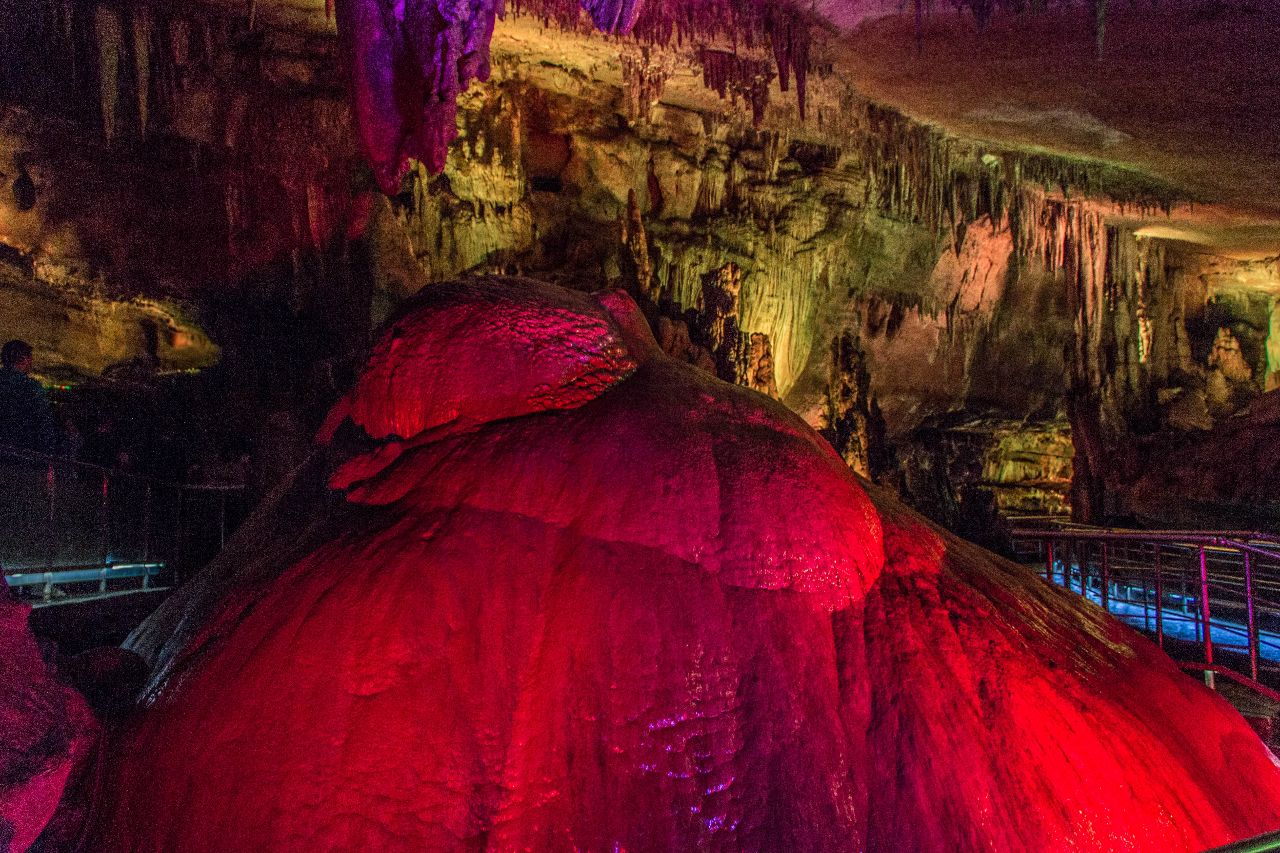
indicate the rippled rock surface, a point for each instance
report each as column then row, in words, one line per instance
column 46, row 731
column 579, row 596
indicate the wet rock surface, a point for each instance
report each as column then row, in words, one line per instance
column 655, row 612
column 47, row 732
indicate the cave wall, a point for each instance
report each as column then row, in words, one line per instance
column 183, row 157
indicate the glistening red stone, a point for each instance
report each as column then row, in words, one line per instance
column 46, row 731
column 585, row 597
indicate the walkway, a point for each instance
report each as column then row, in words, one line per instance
column 74, row 532
column 1210, row 598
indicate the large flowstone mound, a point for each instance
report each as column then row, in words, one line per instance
column 573, row 595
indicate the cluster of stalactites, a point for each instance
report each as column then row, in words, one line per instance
column 781, row 24
column 730, row 75
column 410, row 59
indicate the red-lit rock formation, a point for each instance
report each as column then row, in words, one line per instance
column 46, row 729
column 585, row 597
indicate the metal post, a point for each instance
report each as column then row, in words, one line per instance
column 1146, row 604
column 1251, row 622
column 146, row 526
column 1204, row 616
column 105, row 512
column 1106, row 577
column 1066, row 564
column 1159, row 599
column 177, row 541
column 1084, row 569
column 51, row 546
column 1048, row 562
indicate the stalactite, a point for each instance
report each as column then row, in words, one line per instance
column 733, row 76
column 319, row 226
column 1099, row 25
column 66, row 21
column 616, row 17
column 409, row 62
column 1115, row 358
column 179, row 42
column 643, row 78
column 917, row 172
column 791, row 36
column 110, row 38
column 141, row 20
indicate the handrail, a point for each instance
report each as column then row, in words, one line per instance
column 24, row 455
column 1219, row 537
column 1266, row 843
column 102, row 576
column 1218, row 590
column 1232, row 675
column 67, row 513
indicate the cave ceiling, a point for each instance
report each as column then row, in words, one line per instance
column 1183, row 95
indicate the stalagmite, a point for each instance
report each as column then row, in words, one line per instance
column 636, row 243
column 718, row 319
column 851, row 423
column 756, row 368
column 1272, row 381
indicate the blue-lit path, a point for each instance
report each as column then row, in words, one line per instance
column 1218, row 590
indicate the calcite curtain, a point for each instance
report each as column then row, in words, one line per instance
column 410, row 59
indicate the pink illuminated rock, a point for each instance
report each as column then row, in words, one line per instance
column 584, row 597
column 46, row 730
column 410, row 59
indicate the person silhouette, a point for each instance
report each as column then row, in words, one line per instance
column 26, row 416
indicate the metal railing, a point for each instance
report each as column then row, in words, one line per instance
column 1211, row 599
column 70, row 528
column 87, row 583
column 1259, row 844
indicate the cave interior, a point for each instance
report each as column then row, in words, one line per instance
column 540, row 284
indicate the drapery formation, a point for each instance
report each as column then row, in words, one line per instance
column 410, row 59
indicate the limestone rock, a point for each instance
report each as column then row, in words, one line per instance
column 651, row 611
column 1189, row 410
column 46, row 732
